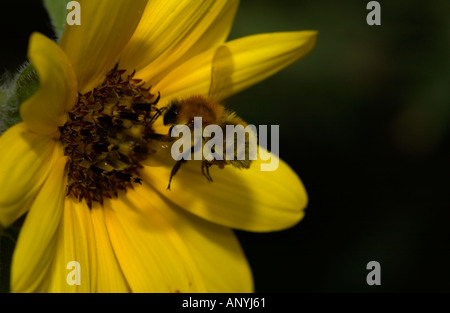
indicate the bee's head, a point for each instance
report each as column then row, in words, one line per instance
column 171, row 115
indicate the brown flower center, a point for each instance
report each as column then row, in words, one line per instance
column 107, row 135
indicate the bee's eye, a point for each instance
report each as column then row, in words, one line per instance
column 171, row 115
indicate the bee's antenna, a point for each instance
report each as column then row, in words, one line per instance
column 158, row 113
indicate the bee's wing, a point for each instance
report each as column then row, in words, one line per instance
column 221, row 71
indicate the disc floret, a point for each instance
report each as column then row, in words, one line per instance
column 105, row 137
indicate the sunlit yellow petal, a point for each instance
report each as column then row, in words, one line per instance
column 248, row 199
column 43, row 112
column 25, row 162
column 35, row 249
column 216, row 34
column 83, row 238
column 74, row 244
column 151, row 254
column 215, row 249
column 93, row 47
column 171, row 32
column 254, row 58
column 109, row 275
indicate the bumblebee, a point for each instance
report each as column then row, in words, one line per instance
column 212, row 112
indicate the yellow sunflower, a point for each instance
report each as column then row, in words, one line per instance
column 127, row 231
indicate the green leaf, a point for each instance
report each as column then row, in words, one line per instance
column 27, row 84
column 14, row 90
column 57, row 10
column 2, row 95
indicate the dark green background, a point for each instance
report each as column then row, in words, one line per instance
column 364, row 121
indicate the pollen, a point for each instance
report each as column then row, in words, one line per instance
column 106, row 137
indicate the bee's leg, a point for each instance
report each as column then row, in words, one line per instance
column 205, row 170
column 175, row 169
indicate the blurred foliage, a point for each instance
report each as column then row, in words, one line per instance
column 364, row 121
column 57, row 10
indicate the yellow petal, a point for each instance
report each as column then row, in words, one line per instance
column 254, row 58
column 150, row 252
column 214, row 248
column 25, row 162
column 94, row 47
column 109, row 275
column 247, row 199
column 83, row 238
column 43, row 112
column 171, row 32
column 35, row 249
column 75, row 244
